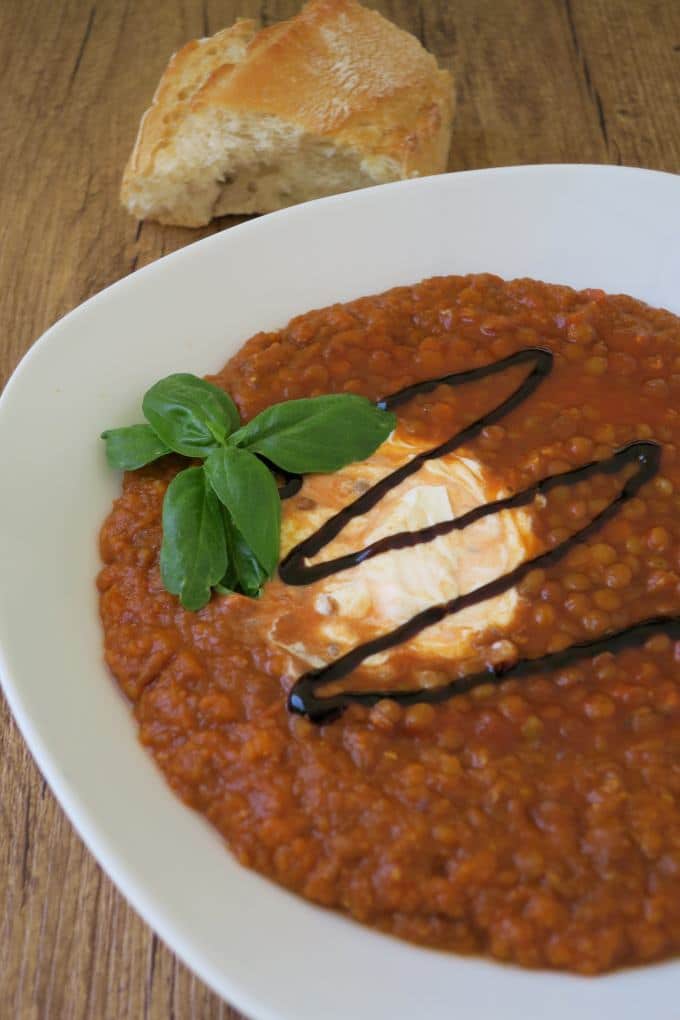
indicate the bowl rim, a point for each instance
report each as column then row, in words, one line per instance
column 64, row 787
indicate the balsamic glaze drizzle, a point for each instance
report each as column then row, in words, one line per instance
column 303, row 700
column 291, row 482
column 294, row 570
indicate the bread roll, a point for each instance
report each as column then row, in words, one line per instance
column 252, row 120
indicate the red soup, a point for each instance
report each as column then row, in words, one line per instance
column 499, row 777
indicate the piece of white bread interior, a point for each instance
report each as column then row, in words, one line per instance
column 228, row 163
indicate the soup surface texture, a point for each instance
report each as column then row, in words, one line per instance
column 537, row 819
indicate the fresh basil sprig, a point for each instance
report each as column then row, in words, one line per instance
column 222, row 519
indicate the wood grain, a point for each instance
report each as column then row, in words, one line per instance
column 537, row 81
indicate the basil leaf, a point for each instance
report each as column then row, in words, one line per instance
column 133, row 447
column 229, row 582
column 193, row 551
column 317, row 433
column 248, row 490
column 190, row 415
column 243, row 564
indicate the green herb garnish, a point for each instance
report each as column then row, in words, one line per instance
column 133, row 447
column 222, row 519
column 194, row 548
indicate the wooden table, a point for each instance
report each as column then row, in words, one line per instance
column 537, row 81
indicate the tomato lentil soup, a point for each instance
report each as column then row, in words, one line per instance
column 532, row 818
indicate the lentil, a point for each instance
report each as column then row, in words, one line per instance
column 535, row 821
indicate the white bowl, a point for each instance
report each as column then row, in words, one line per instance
column 271, row 954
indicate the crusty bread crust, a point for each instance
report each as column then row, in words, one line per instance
column 249, row 121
